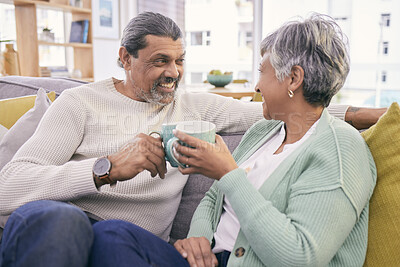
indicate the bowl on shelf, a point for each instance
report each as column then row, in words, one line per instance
column 219, row 80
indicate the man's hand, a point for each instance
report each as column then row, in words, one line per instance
column 363, row 118
column 197, row 251
column 142, row 153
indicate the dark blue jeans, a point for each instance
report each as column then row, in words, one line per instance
column 51, row 233
column 223, row 258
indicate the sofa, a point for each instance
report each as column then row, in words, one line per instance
column 383, row 139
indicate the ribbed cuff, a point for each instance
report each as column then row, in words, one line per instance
column 82, row 178
column 339, row 111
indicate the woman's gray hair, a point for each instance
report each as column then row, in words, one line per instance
column 317, row 45
column 134, row 35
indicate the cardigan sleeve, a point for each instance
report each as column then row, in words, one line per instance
column 203, row 220
column 41, row 169
column 307, row 233
column 306, row 221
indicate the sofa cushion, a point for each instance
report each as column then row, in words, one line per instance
column 383, row 140
column 16, row 86
column 25, row 126
column 3, row 131
column 194, row 190
column 13, row 108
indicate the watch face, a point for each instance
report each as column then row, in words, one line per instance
column 102, row 166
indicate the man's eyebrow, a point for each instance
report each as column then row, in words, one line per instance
column 166, row 56
column 160, row 55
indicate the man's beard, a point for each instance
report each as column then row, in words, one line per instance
column 158, row 96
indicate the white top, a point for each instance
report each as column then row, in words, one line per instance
column 259, row 167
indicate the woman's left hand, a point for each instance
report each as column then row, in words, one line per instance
column 212, row 160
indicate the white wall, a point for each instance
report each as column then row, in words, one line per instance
column 105, row 51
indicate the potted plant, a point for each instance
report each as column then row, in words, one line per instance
column 46, row 35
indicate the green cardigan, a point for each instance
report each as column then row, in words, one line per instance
column 311, row 211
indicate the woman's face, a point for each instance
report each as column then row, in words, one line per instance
column 274, row 92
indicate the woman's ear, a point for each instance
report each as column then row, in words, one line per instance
column 296, row 77
column 124, row 57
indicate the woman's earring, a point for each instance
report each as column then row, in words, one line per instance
column 290, row 93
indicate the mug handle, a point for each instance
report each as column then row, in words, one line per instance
column 169, row 147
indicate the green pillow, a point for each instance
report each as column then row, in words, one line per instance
column 383, row 140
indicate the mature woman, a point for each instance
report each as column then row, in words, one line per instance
column 296, row 190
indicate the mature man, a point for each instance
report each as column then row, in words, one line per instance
column 91, row 150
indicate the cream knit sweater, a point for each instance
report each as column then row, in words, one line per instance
column 94, row 120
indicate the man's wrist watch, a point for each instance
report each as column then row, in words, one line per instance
column 101, row 170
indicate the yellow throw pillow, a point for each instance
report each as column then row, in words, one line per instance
column 13, row 108
column 383, row 140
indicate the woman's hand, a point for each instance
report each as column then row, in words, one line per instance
column 212, row 160
column 197, row 251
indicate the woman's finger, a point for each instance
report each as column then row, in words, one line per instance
column 184, row 150
column 190, row 140
column 188, row 170
column 179, row 247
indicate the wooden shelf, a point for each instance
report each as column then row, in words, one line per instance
column 27, row 37
column 50, row 5
column 80, row 45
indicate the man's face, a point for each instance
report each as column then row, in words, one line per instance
column 156, row 72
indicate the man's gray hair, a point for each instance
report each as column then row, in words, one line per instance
column 317, row 45
column 147, row 23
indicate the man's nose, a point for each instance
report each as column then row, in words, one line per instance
column 172, row 71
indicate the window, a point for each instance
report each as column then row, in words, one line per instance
column 385, row 19
column 7, row 24
column 51, row 56
column 249, row 38
column 383, row 76
column 208, row 38
column 368, row 42
column 385, row 46
column 196, row 38
column 218, row 36
column 200, row 38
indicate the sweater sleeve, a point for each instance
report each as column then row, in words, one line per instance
column 232, row 115
column 339, row 111
column 42, row 167
column 228, row 114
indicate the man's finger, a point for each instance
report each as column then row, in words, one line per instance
column 158, row 163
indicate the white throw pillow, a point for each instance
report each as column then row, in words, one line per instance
column 23, row 129
column 3, row 131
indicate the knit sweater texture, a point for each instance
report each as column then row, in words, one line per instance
column 95, row 120
column 311, row 211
